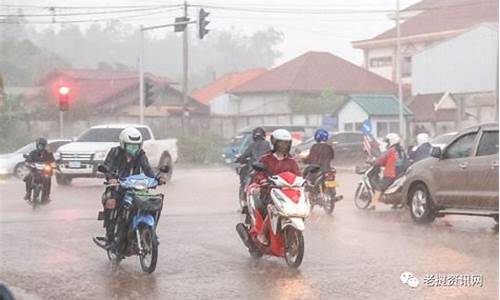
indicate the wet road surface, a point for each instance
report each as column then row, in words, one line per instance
column 48, row 254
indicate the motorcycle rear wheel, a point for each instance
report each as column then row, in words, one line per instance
column 149, row 245
column 329, row 202
column 294, row 247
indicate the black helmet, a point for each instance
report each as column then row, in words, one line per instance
column 41, row 143
column 258, row 133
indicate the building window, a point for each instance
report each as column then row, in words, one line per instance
column 406, row 71
column 386, row 127
column 378, row 62
column 353, row 126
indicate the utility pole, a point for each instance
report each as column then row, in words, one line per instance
column 141, row 78
column 402, row 127
column 496, row 91
column 185, row 73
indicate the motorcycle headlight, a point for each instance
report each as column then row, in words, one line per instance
column 101, row 155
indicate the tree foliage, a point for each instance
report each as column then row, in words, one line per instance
column 326, row 103
column 12, row 124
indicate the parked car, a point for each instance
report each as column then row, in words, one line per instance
column 461, row 178
column 240, row 142
column 13, row 163
column 81, row 157
column 348, row 147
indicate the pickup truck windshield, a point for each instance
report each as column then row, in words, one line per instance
column 108, row 135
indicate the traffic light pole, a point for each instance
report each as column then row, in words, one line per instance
column 61, row 124
column 141, row 79
column 184, row 72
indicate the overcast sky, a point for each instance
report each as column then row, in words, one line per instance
column 302, row 33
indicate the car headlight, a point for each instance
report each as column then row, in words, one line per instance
column 101, row 155
column 57, row 155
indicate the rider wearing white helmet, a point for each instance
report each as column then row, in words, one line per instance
column 122, row 161
column 277, row 161
column 393, row 161
column 422, row 149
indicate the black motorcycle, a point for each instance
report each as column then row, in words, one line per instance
column 321, row 187
column 41, row 174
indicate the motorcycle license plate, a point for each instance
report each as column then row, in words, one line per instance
column 330, row 184
column 74, row 164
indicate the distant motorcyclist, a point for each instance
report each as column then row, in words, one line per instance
column 422, row 149
column 278, row 160
column 253, row 153
column 393, row 160
column 39, row 155
column 321, row 153
column 123, row 161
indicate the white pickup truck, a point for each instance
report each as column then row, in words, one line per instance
column 81, row 157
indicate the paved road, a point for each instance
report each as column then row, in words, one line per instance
column 48, row 254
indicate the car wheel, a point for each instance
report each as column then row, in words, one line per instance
column 21, row 170
column 166, row 160
column 421, row 205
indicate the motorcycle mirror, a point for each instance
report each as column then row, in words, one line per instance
column 165, row 169
column 102, row 169
column 258, row 166
column 436, row 152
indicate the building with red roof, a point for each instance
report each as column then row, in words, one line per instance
column 225, row 83
column 424, row 24
column 306, row 90
column 113, row 92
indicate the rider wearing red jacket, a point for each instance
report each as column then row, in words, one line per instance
column 278, row 160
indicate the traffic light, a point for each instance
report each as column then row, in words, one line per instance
column 148, row 93
column 202, row 23
column 64, row 98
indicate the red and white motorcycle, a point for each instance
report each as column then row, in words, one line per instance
column 287, row 211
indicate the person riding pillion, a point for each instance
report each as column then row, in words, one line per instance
column 254, row 151
column 276, row 161
column 39, row 155
column 123, row 161
column 321, row 153
column 422, row 149
column 393, row 160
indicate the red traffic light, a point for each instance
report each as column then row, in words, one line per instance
column 64, row 90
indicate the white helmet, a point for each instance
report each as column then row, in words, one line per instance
column 392, row 139
column 131, row 140
column 281, row 135
column 422, row 138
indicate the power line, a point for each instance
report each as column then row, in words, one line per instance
column 89, row 13
column 89, row 20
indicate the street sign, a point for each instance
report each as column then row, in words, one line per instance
column 367, row 127
column 180, row 27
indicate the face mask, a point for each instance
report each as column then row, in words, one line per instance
column 132, row 149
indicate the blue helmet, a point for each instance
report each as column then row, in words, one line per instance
column 321, row 135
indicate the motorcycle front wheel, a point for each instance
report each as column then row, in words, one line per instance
column 149, row 246
column 294, row 247
column 362, row 197
column 36, row 196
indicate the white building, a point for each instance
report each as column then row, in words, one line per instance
column 423, row 24
column 465, row 66
column 382, row 110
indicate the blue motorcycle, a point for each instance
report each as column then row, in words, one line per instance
column 134, row 220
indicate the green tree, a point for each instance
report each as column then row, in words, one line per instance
column 326, row 102
column 13, row 124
